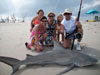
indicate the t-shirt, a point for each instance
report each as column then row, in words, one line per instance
column 69, row 24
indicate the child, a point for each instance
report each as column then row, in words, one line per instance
column 60, row 27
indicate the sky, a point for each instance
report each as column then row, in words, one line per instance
column 28, row 8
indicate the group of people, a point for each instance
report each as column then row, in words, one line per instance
column 45, row 29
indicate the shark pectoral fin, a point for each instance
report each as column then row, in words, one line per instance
column 28, row 56
column 15, row 69
column 10, row 61
column 68, row 69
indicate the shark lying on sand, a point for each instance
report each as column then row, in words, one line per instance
column 57, row 56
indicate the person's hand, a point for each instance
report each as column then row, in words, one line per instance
column 62, row 31
column 58, row 27
column 53, row 38
column 38, row 48
column 78, row 24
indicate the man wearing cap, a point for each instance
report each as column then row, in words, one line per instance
column 70, row 24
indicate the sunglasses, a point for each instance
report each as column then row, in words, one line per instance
column 44, row 21
column 50, row 16
column 67, row 13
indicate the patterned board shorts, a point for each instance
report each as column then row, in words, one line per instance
column 34, row 42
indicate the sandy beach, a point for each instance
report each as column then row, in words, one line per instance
column 14, row 35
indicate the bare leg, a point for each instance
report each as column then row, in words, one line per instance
column 62, row 32
column 81, row 31
column 78, row 47
column 66, row 43
column 44, row 38
column 62, row 37
column 58, row 36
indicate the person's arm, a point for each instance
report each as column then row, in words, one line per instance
column 36, row 34
column 62, row 28
column 32, row 23
column 55, row 34
column 79, row 25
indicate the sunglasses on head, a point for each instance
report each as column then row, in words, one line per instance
column 67, row 13
column 50, row 16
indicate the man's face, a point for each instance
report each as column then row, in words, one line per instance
column 67, row 15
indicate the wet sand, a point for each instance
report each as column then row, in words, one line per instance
column 14, row 35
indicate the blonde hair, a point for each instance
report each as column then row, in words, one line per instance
column 59, row 16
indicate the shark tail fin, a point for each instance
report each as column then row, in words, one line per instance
column 11, row 62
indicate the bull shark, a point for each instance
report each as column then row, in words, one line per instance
column 57, row 56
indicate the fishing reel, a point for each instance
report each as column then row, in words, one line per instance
column 78, row 35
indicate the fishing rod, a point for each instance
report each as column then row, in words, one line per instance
column 79, row 11
column 77, row 20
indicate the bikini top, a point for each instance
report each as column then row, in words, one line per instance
column 39, row 32
column 36, row 21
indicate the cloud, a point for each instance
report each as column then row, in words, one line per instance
column 91, row 4
column 5, row 6
column 29, row 8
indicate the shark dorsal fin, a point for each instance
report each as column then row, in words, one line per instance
column 28, row 56
column 58, row 46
